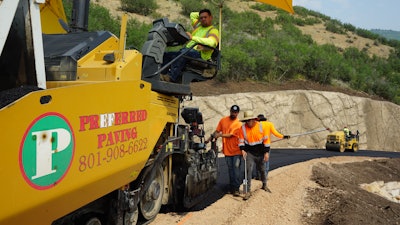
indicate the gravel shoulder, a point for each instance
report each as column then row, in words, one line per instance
column 319, row 191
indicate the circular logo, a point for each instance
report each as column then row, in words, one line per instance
column 47, row 150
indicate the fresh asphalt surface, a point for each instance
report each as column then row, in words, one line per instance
column 280, row 158
column 284, row 157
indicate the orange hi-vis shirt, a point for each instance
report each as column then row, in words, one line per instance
column 230, row 146
column 253, row 136
column 269, row 128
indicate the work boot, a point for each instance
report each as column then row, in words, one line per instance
column 247, row 196
column 236, row 193
column 208, row 73
column 165, row 77
column 265, row 188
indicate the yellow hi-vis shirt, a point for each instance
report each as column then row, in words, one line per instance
column 208, row 36
column 269, row 128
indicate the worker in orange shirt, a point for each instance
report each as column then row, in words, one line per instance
column 255, row 148
column 228, row 128
column 269, row 129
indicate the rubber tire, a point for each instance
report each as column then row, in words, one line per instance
column 332, row 147
column 131, row 218
column 93, row 221
column 342, row 149
column 327, row 148
column 151, row 201
column 89, row 219
column 354, row 148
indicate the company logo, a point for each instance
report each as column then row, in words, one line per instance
column 47, row 150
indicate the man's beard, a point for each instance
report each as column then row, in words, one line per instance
column 232, row 117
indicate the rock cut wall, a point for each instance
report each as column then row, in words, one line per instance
column 301, row 111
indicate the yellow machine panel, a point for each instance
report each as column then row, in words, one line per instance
column 90, row 134
column 93, row 67
column 51, row 12
column 75, row 146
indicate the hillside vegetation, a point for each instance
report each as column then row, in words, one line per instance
column 261, row 43
column 389, row 34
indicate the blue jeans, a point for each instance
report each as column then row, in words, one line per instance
column 267, row 167
column 234, row 163
column 175, row 70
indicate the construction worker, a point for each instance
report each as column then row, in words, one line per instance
column 255, row 149
column 269, row 129
column 204, row 34
column 346, row 132
column 228, row 128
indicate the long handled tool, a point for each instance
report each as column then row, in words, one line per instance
column 245, row 177
column 305, row 133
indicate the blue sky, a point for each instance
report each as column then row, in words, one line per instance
column 366, row 14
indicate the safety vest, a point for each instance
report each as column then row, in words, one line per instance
column 253, row 140
column 206, row 35
column 196, row 26
column 205, row 53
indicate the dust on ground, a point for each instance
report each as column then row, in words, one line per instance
column 319, row 191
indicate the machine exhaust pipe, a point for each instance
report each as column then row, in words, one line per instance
column 80, row 15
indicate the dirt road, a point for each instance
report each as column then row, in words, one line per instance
column 319, row 191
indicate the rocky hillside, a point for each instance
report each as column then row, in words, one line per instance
column 172, row 10
column 300, row 111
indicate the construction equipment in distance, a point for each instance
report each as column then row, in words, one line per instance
column 338, row 141
column 89, row 133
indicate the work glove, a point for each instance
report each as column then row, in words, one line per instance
column 286, row 136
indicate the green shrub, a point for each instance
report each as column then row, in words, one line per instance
column 334, row 27
column 136, row 34
column 367, row 34
column 311, row 21
column 305, row 21
column 384, row 88
column 323, row 64
column 67, row 8
column 301, row 11
column 263, row 7
column 142, row 7
column 349, row 27
column 101, row 19
column 240, row 65
column 284, row 18
column 189, row 6
column 275, row 50
column 319, row 15
column 248, row 23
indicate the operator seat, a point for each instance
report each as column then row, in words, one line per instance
column 165, row 34
column 200, row 70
